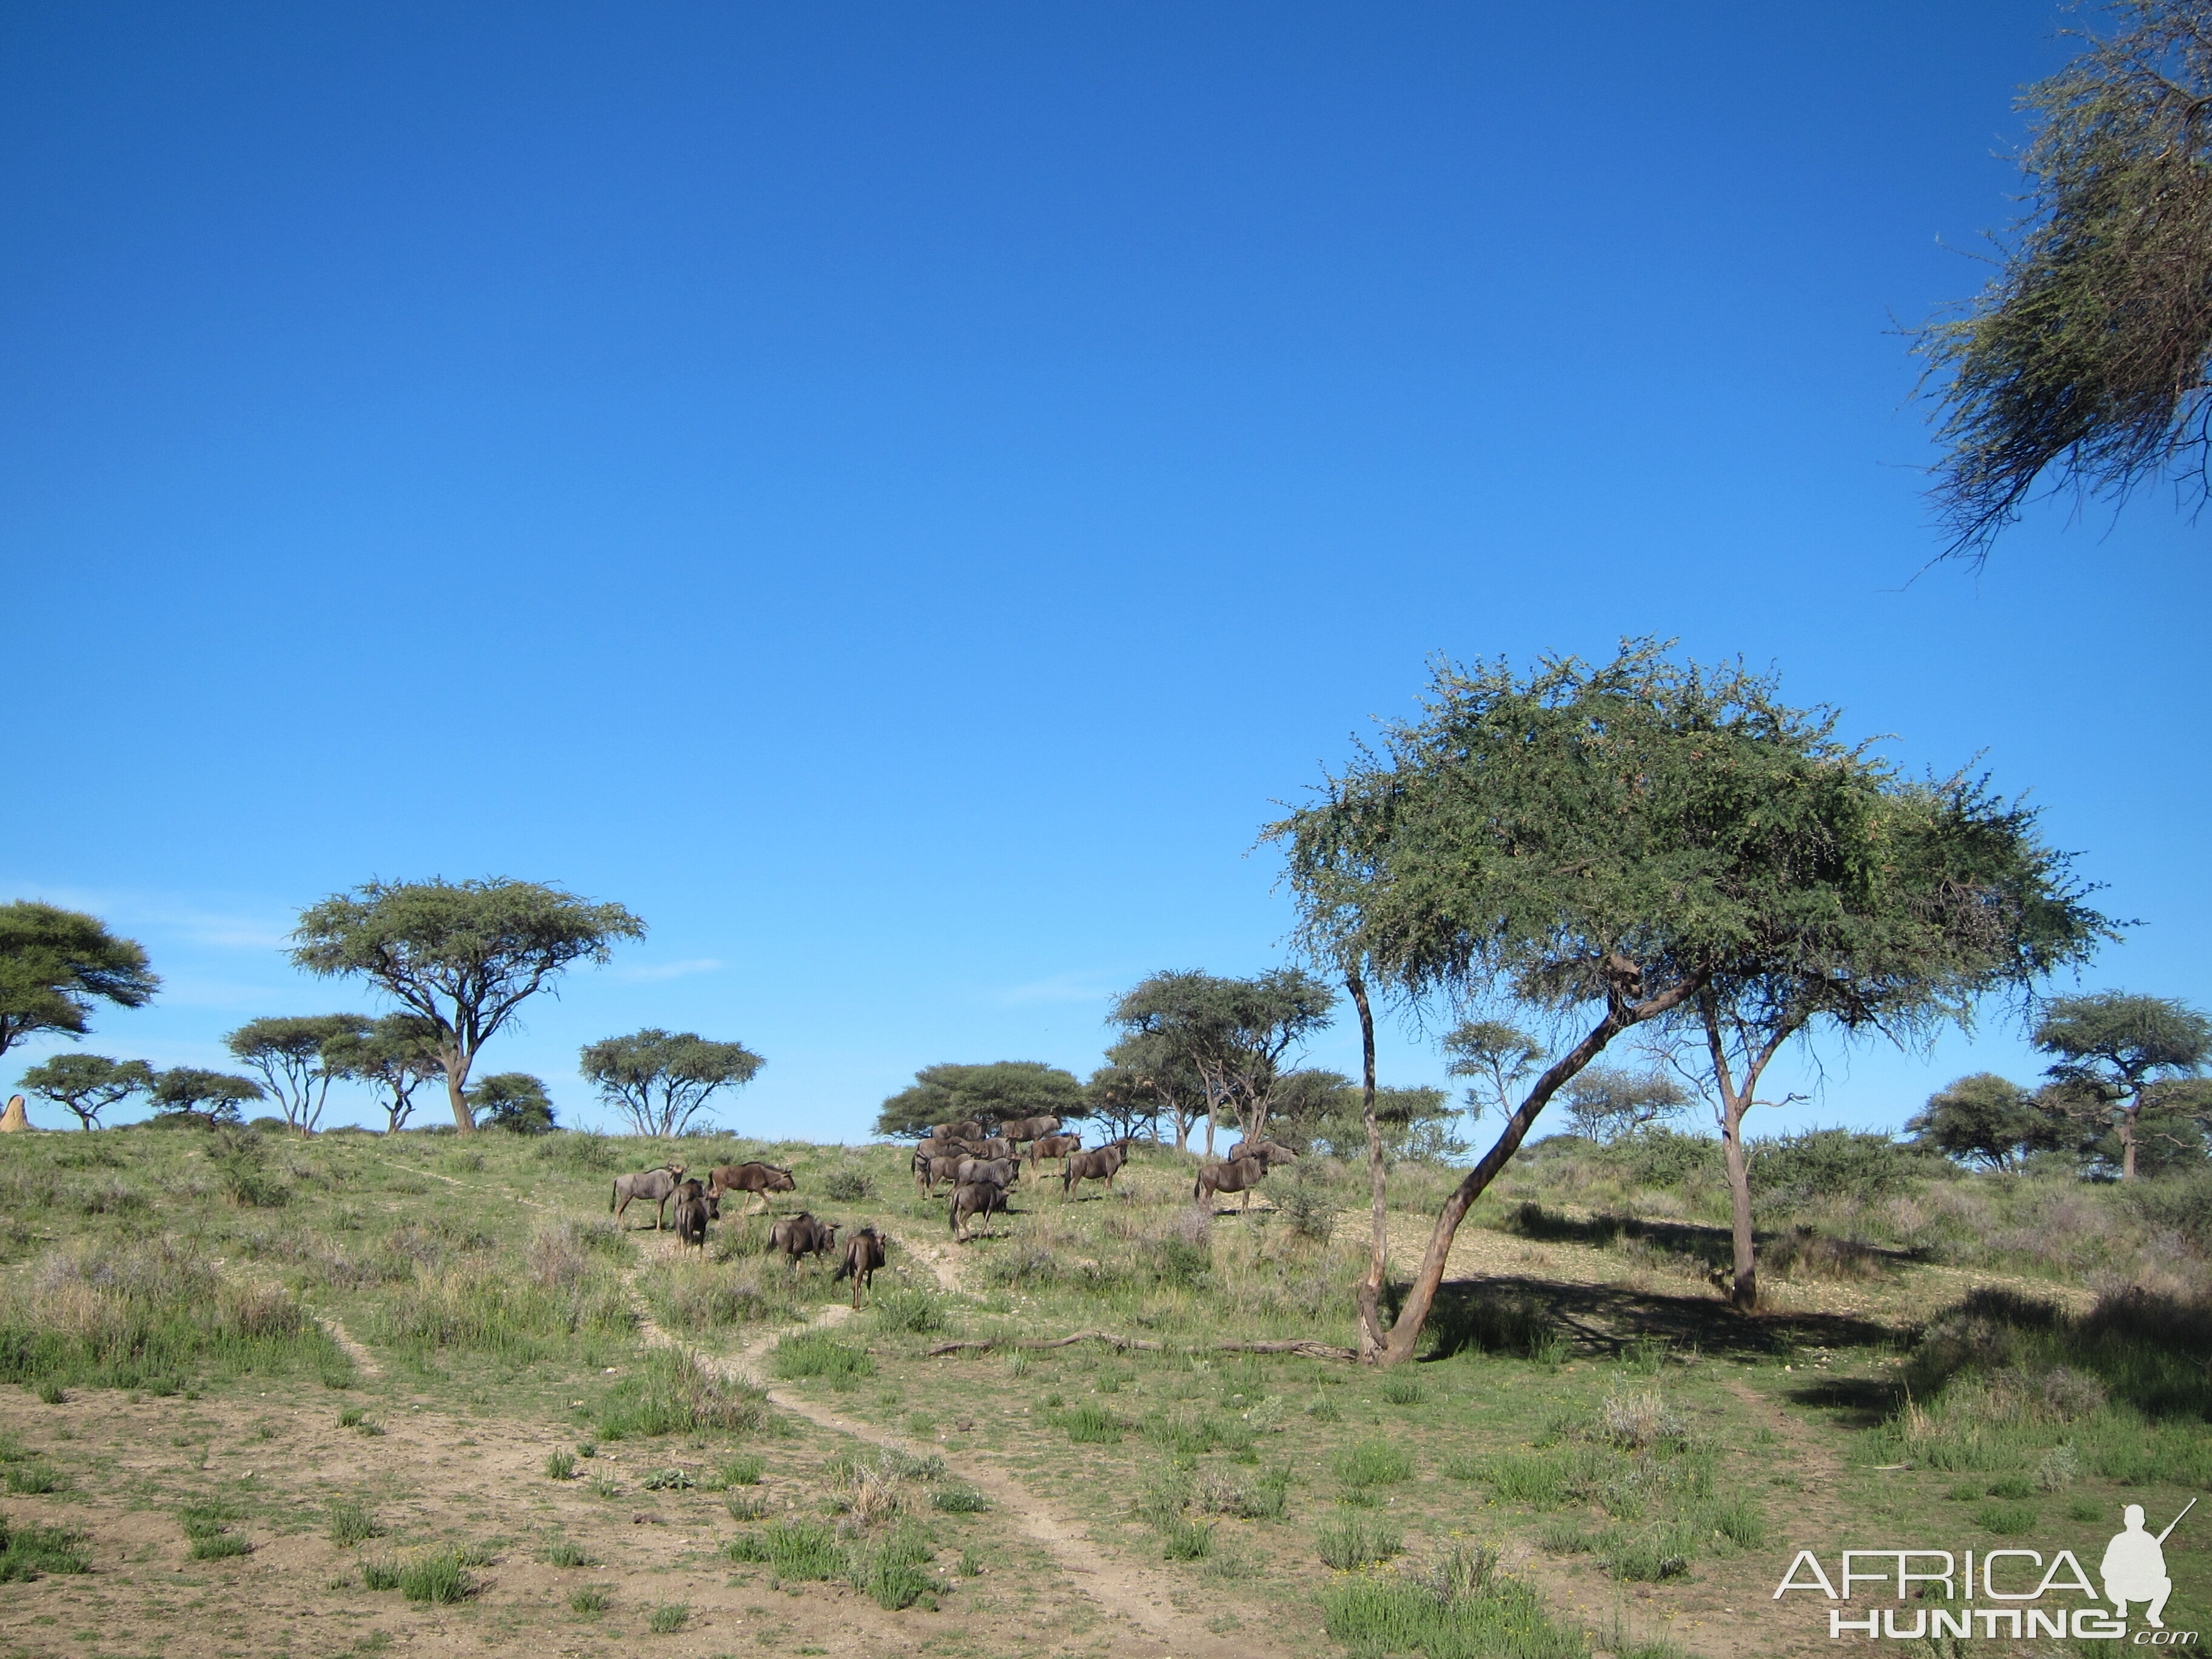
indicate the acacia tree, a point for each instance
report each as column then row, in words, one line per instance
column 1606, row 1103
column 661, row 1080
column 2118, row 1053
column 395, row 1056
column 88, row 1085
column 1607, row 843
column 1497, row 1055
column 55, row 963
column 2084, row 360
column 1231, row 1034
column 291, row 1054
column 1984, row 1119
column 1151, row 1063
column 465, row 956
column 513, row 1101
column 953, row 1093
column 208, row 1097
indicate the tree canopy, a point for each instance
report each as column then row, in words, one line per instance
column 513, row 1101
column 2115, row 1050
column 464, row 956
column 1232, row 1034
column 1618, row 841
column 88, row 1085
column 209, row 1098
column 1606, row 1103
column 56, row 964
column 660, row 1081
column 952, row 1093
column 1984, row 1119
column 291, row 1055
column 2083, row 363
column 396, row 1056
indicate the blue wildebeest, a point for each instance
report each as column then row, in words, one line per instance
column 1104, row 1165
column 659, row 1185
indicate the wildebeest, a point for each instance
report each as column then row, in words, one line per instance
column 976, row 1198
column 1053, row 1146
column 1102, row 1164
column 940, row 1168
column 994, row 1147
column 1273, row 1154
column 1029, row 1129
column 695, row 1206
column 1239, row 1175
column 802, row 1235
column 970, row 1130
column 864, row 1254
column 999, row 1171
column 758, row 1179
column 659, row 1185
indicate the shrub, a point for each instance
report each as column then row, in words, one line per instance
column 1488, row 1322
column 798, row 1549
column 909, row 1311
column 958, row 1500
column 28, row 1552
column 743, row 1470
column 353, row 1522
column 1183, row 1540
column 591, row 1598
column 218, row 1547
column 32, row 1479
column 1374, row 1463
column 560, row 1466
column 1357, row 1541
column 667, row 1618
column 671, row 1393
column 1793, row 1170
column 847, row 1185
column 382, row 1575
column 812, row 1353
column 565, row 1554
column 2006, row 1520
column 441, row 1577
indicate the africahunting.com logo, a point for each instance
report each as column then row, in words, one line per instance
column 2017, row 1582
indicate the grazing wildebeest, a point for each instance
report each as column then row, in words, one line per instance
column 758, row 1179
column 994, row 1147
column 1238, row 1175
column 1103, row 1164
column 970, row 1130
column 1053, row 1146
column 864, row 1254
column 1274, row 1154
column 694, row 1207
column 999, row 1171
column 1029, row 1129
column 802, row 1235
column 976, row 1198
column 659, row 1185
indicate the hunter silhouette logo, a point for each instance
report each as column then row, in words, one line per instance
column 2133, row 1567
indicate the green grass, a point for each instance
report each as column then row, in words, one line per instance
column 1459, row 1607
column 565, row 1554
column 1374, row 1463
column 34, row 1479
column 1090, row 1424
column 668, row 1617
column 216, row 1548
column 796, row 1550
column 28, row 1552
column 958, row 1500
column 440, row 1578
column 560, row 1466
column 353, row 1522
column 743, row 1470
column 671, row 1393
column 591, row 1598
column 1357, row 1541
column 812, row 1353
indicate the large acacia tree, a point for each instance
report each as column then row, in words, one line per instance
column 88, row 1085
column 2084, row 360
column 56, row 964
column 395, row 1057
column 949, row 1092
column 1609, row 843
column 1232, row 1034
column 465, row 956
column 293, row 1057
column 2117, row 1052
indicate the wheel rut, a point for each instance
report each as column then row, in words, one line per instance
column 1140, row 1597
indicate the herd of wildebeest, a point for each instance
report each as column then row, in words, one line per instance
column 983, row 1163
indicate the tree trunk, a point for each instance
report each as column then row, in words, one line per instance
column 1372, row 1340
column 457, row 1079
column 2124, row 1125
column 1209, row 1128
column 1422, row 1294
column 1743, row 1283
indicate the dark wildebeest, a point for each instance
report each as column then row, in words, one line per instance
column 1029, row 1129
column 695, row 1206
column 970, row 1130
column 802, row 1235
column 864, row 1254
column 941, row 1169
column 995, row 1146
column 1273, row 1154
column 659, row 1185
column 999, row 1171
column 1053, row 1146
column 976, row 1198
column 1238, row 1175
column 1103, row 1164
column 758, row 1179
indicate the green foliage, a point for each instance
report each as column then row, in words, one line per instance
column 1357, row 1541
column 1374, row 1463
column 743, row 1470
column 440, row 1578
column 1605, row 1103
column 950, row 1093
column 800, row 1551
column 1093, row 1424
column 190, row 1093
column 667, row 1618
column 958, row 1500
column 463, row 956
column 847, row 1185
column 1656, row 1156
column 55, row 963
column 352, row 1522
column 1795, row 1169
column 671, row 1393
column 28, row 1552
column 813, row 1353
column 88, row 1085
column 662, row 1081
column 1461, row 1605
column 909, row 1311
column 560, row 1466
column 590, row 1599
column 2117, row 1055
column 513, row 1101
column 291, row 1052
column 1984, row 1119
column 565, row 1554
column 1232, row 1036
column 2083, row 360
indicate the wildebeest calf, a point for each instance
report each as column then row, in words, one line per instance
column 802, row 1235
column 1104, row 1165
column 1053, row 1146
column 659, row 1185
column 758, row 1179
column 864, row 1254
column 1239, row 1175
column 976, row 1198
column 695, row 1206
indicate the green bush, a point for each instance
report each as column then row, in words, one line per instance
column 798, row 1549
column 743, row 1470
column 1183, row 1540
column 2006, row 1520
column 667, row 1618
column 908, row 1311
column 1792, row 1170
column 353, row 1522
column 565, row 1554
column 671, row 1393
column 28, row 1552
column 958, row 1500
column 560, row 1466
column 812, row 1353
column 1090, row 1424
column 381, row 1574
column 1374, row 1463
column 441, row 1577
column 1357, row 1541
column 591, row 1598
column 1460, row 1606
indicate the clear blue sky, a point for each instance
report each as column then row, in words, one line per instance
column 893, row 493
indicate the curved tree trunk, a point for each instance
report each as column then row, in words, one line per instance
column 457, row 1079
column 1743, row 1281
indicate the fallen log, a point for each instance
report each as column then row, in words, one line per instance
column 1295, row 1345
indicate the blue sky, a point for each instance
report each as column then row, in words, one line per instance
column 895, row 493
